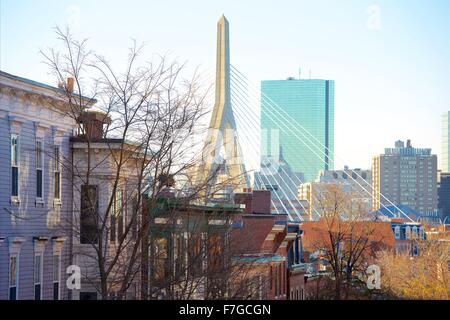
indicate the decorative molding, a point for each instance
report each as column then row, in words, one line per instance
column 58, row 243
column 14, row 244
column 40, row 128
column 58, row 134
column 15, row 123
column 39, row 245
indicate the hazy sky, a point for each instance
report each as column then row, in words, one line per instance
column 390, row 59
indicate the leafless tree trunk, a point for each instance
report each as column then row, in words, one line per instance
column 150, row 116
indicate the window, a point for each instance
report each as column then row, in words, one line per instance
column 39, row 168
column 119, row 213
column 397, row 232
column 134, row 218
column 13, row 279
column 408, row 232
column 421, row 233
column 415, row 250
column 415, row 232
column 56, row 275
column 88, row 214
column 117, row 217
column 15, row 158
column 88, row 295
column 271, row 278
column 57, row 172
column 37, row 277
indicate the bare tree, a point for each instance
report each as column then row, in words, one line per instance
column 345, row 238
column 136, row 141
column 194, row 253
column 142, row 127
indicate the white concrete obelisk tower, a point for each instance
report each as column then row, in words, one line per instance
column 222, row 157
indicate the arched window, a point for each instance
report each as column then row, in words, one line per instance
column 408, row 233
column 397, row 232
column 421, row 234
column 415, row 233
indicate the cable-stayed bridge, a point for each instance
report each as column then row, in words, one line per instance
column 233, row 143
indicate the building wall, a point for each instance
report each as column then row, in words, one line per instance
column 405, row 176
column 24, row 111
column 103, row 176
column 444, row 195
column 445, row 148
column 311, row 104
column 357, row 181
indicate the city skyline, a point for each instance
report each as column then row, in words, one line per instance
column 106, row 194
column 389, row 69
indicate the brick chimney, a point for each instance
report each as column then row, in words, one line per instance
column 93, row 123
column 244, row 198
column 70, row 84
column 256, row 201
column 261, row 202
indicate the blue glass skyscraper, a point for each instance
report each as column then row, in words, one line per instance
column 293, row 109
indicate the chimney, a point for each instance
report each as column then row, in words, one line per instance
column 70, row 84
column 93, row 123
column 408, row 143
column 399, row 144
column 246, row 199
column 261, row 201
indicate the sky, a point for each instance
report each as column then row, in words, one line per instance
column 390, row 59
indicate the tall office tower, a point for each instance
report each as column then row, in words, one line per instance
column 298, row 115
column 445, row 157
column 405, row 176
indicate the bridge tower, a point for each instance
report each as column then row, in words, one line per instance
column 222, row 162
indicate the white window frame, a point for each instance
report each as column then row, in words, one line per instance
column 15, row 163
column 415, row 233
column 39, row 250
column 58, row 244
column 16, row 256
column 408, row 233
column 118, row 212
column 57, row 169
column 39, row 255
column 421, row 233
column 397, row 233
column 56, row 254
column 40, row 167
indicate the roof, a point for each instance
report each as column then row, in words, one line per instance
column 39, row 84
column 264, row 258
column 397, row 211
column 316, row 233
